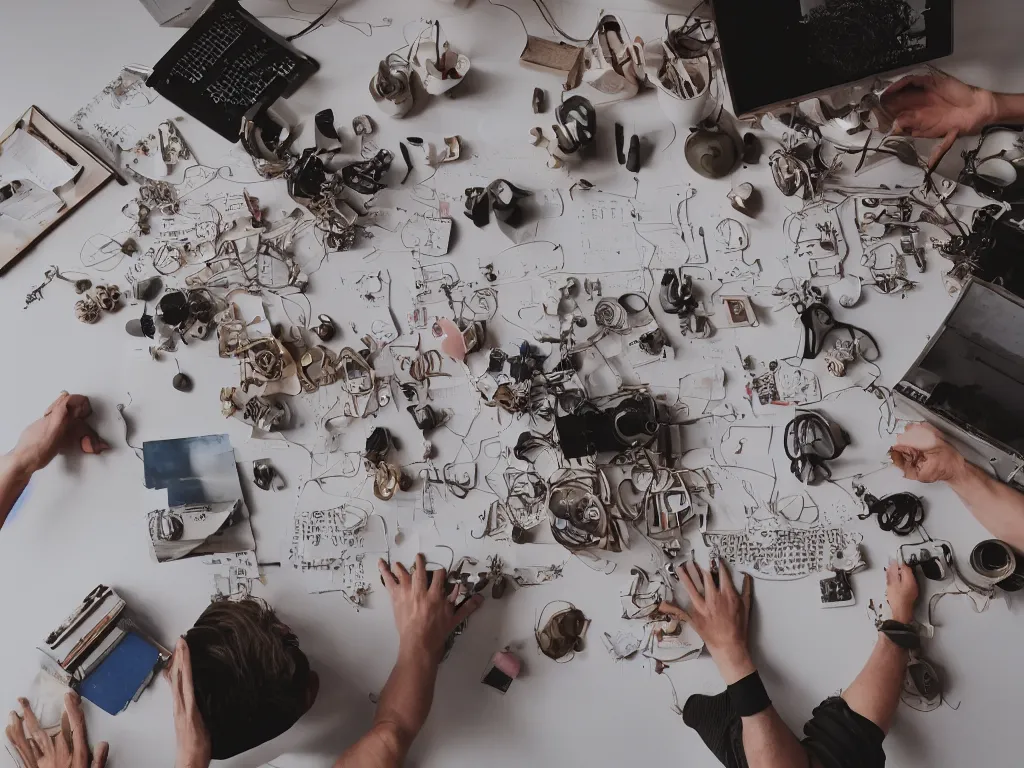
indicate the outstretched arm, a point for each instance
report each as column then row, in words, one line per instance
column 721, row 617
column 62, row 426
column 923, row 454
column 875, row 693
column 425, row 617
column 938, row 106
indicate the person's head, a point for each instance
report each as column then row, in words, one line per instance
column 251, row 681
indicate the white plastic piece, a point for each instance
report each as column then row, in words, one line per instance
column 613, row 66
column 685, row 96
column 423, row 60
column 847, row 292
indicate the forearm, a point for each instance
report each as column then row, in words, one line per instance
column 402, row 711
column 767, row 740
column 1009, row 108
column 14, row 476
column 875, row 693
column 996, row 505
column 409, row 692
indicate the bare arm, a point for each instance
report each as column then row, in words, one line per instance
column 938, row 106
column 1009, row 108
column 425, row 617
column 62, row 426
column 924, row 455
column 996, row 505
column 875, row 693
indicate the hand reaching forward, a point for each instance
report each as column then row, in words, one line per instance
column 193, row 740
column 938, row 106
column 68, row 748
column 721, row 617
column 62, row 426
column 923, row 454
column 901, row 591
column 424, row 615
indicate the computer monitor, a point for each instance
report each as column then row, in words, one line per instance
column 969, row 380
column 782, row 51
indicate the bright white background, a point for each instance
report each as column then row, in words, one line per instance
column 82, row 523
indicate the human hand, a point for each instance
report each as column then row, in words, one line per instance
column 62, row 426
column 923, row 454
column 424, row 615
column 938, row 106
column 193, row 740
column 69, row 748
column 721, row 617
column 901, row 591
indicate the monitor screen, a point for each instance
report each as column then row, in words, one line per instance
column 973, row 371
column 781, row 50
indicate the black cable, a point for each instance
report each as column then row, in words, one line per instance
column 314, row 23
column 900, row 513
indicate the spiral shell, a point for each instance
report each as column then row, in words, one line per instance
column 835, row 366
column 87, row 310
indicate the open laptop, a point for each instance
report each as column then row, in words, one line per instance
column 969, row 380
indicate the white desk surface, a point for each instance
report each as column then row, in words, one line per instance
column 83, row 522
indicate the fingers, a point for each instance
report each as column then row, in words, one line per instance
column 58, row 404
column 184, row 660
column 402, row 575
column 419, row 572
column 438, row 581
column 467, row 609
column 695, row 597
column 453, row 596
column 747, row 595
column 99, row 757
column 31, row 723
column 725, row 578
column 78, row 406
column 940, row 151
column 73, row 707
column 910, row 81
column 711, row 590
column 906, row 573
column 390, row 582
column 88, row 440
column 16, row 735
column 671, row 609
column 892, row 574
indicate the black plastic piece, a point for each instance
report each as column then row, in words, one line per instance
column 227, row 65
column 633, row 159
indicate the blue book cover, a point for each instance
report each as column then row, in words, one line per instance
column 114, row 683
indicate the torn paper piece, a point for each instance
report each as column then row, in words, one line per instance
column 189, row 529
column 371, row 291
column 670, row 640
column 787, row 553
column 234, row 573
column 27, row 203
column 200, row 471
column 337, row 547
column 23, row 157
column 428, row 235
column 703, row 385
column 623, row 645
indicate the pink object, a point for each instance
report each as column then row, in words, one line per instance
column 507, row 662
column 452, row 342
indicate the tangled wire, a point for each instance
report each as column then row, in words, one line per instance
column 857, row 37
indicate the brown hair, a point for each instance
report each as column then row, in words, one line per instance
column 251, row 681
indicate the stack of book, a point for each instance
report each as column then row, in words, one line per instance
column 100, row 652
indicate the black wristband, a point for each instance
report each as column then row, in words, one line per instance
column 902, row 635
column 748, row 695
